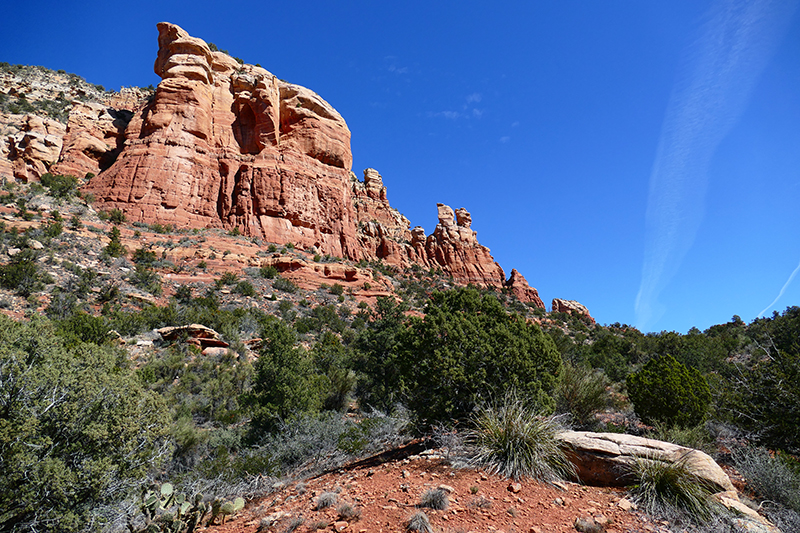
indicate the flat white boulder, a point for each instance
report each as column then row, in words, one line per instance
column 605, row 458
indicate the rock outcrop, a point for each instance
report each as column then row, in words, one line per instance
column 31, row 145
column 221, row 144
column 519, row 287
column 604, row 459
column 94, row 138
column 383, row 231
column 454, row 246
column 571, row 307
column 228, row 145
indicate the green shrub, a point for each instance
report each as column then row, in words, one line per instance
column 147, row 280
column 285, row 381
column 78, row 428
column 52, row 229
column 83, row 327
column 245, row 288
column 114, row 248
column 666, row 391
column 466, row 347
column 337, row 289
column 144, row 257
column 285, row 285
column 513, row 439
column 116, row 216
column 582, row 392
column 21, row 274
column 268, row 272
column 60, row 186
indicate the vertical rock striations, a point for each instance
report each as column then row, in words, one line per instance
column 228, row 145
column 221, row 144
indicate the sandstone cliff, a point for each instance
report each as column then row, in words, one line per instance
column 221, row 144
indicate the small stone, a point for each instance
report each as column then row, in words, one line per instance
column 603, row 520
column 405, row 473
column 626, row 505
column 446, row 488
column 514, row 487
column 534, row 529
column 340, row 526
column 588, row 525
column 558, row 501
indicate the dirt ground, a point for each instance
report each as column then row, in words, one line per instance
column 383, row 496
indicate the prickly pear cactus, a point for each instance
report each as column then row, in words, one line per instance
column 167, row 511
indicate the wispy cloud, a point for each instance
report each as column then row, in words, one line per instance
column 711, row 91
column 474, row 98
column 783, row 290
column 504, row 139
column 450, row 115
column 468, row 110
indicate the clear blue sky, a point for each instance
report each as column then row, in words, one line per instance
column 640, row 157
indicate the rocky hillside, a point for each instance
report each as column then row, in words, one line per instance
column 221, row 144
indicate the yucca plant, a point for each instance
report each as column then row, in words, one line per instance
column 663, row 487
column 511, row 438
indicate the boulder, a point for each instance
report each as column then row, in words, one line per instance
column 604, row 458
column 197, row 334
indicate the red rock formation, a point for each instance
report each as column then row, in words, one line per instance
column 382, row 230
column 453, row 245
column 30, row 145
column 519, row 287
column 94, row 138
column 572, row 307
column 229, row 145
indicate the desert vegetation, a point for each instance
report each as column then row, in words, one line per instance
column 95, row 407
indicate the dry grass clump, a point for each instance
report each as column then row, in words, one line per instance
column 512, row 439
column 434, row 499
column 325, row 500
column 419, row 523
column 664, row 488
column 348, row 512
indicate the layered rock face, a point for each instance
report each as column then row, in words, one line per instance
column 454, row 246
column 31, row 144
column 57, row 122
column 229, row 145
column 221, row 144
column 519, row 287
column 572, row 307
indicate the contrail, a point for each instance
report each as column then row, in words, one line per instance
column 711, row 91
column 783, row 289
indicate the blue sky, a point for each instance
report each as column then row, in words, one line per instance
column 642, row 158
